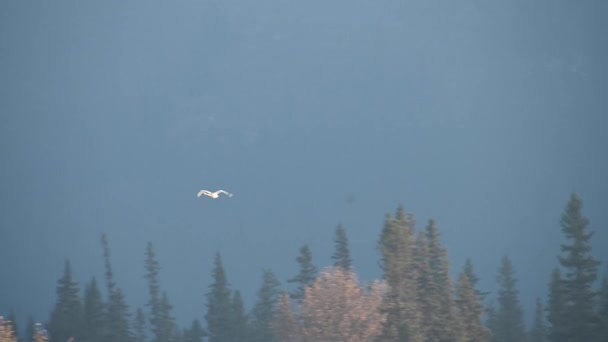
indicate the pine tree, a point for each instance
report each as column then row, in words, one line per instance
column 470, row 272
column 341, row 255
column 195, row 333
column 118, row 317
column 470, row 311
column 264, row 310
column 428, row 305
column 490, row 323
column 307, row 274
column 396, row 246
column 152, row 270
column 239, row 324
column 66, row 318
column 509, row 317
column 581, row 272
column 140, row 326
column 117, row 311
column 219, row 307
column 602, row 332
column 538, row 332
column 93, row 313
column 30, row 329
column 556, row 314
column 445, row 323
column 166, row 323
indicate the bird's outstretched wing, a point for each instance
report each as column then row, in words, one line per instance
column 203, row 192
column 225, row 192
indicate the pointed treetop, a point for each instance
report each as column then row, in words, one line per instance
column 341, row 255
column 307, row 273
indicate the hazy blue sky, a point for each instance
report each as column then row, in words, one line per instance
column 113, row 114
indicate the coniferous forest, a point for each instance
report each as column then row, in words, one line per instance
column 415, row 300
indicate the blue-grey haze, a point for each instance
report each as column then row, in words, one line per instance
column 484, row 115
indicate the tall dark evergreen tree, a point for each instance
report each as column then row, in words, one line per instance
column 396, row 246
column 470, row 311
column 428, row 305
column 195, row 333
column 580, row 273
column 341, row 255
column 490, row 323
column 118, row 317
column 116, row 323
column 470, row 272
column 264, row 310
column 166, row 328
column 139, row 326
column 445, row 325
column 66, row 318
column 509, row 317
column 538, row 332
column 306, row 275
column 556, row 305
column 240, row 326
column 30, row 329
column 94, row 314
column 219, row 306
column 602, row 311
column 152, row 270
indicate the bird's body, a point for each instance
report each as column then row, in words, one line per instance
column 213, row 194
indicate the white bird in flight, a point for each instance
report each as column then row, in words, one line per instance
column 213, row 194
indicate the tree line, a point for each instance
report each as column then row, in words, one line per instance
column 415, row 300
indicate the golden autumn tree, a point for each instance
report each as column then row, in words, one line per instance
column 337, row 308
column 6, row 331
column 286, row 326
column 40, row 334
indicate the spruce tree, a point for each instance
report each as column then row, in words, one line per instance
column 139, row 326
column 117, row 311
column 602, row 332
column 195, row 333
column 538, row 332
column 264, row 310
column 94, row 313
column 152, row 269
column 239, row 322
column 445, row 323
column 580, row 273
column 341, row 255
column 118, row 317
column 509, row 317
column 166, row 327
column 428, row 304
column 396, row 246
column 470, row 272
column 490, row 322
column 30, row 329
column 219, row 306
column 470, row 311
column 556, row 305
column 306, row 275
column 66, row 318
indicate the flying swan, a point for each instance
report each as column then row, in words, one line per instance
column 213, row 194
